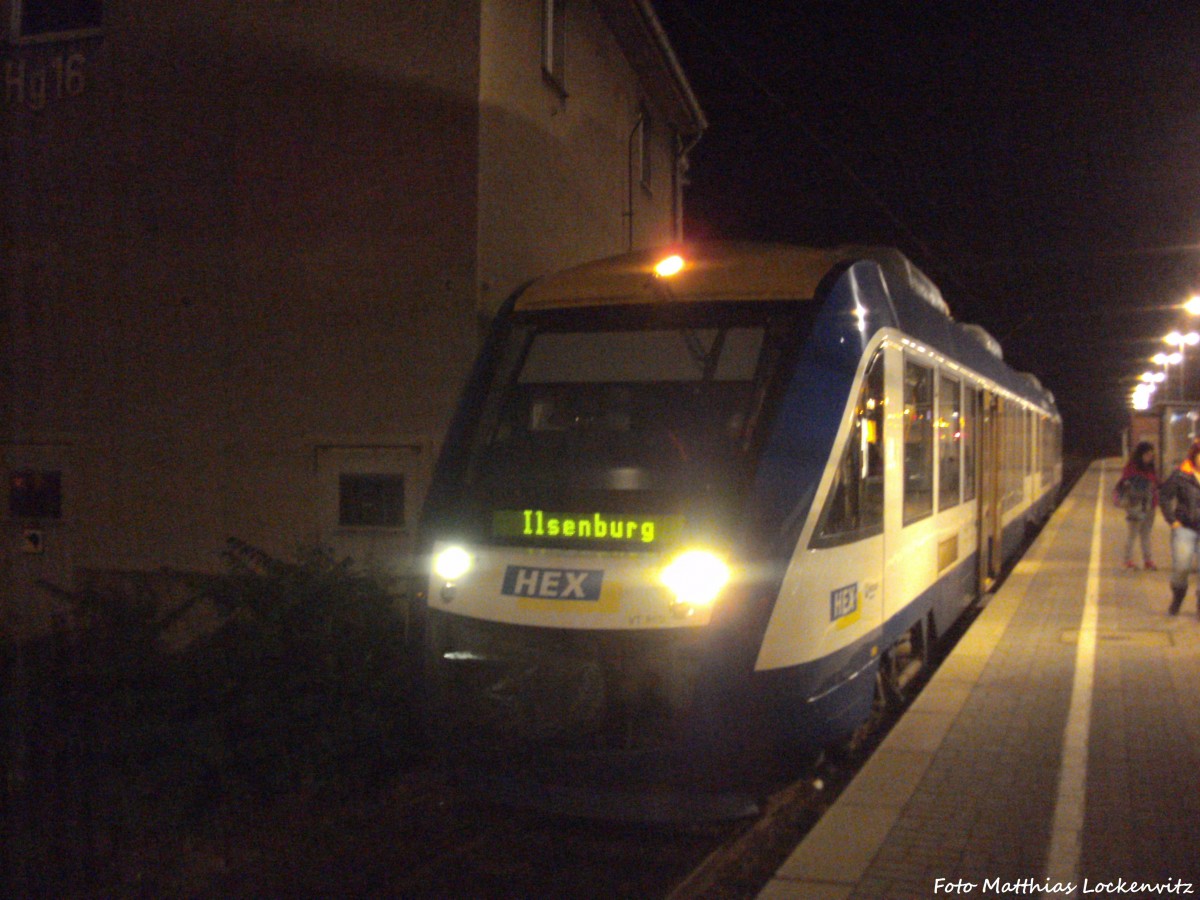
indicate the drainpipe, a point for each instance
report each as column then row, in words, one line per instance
column 677, row 173
column 629, row 180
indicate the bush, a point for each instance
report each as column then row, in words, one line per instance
column 302, row 678
column 308, row 678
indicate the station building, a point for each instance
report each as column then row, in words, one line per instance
column 247, row 251
column 1170, row 426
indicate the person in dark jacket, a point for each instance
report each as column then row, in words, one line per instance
column 1179, row 499
column 1137, row 494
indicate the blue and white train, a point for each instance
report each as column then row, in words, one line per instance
column 698, row 509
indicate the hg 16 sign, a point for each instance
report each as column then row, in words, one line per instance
column 34, row 84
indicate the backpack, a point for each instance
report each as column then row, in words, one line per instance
column 1135, row 495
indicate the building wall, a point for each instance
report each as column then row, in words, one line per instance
column 239, row 251
column 244, row 251
column 557, row 183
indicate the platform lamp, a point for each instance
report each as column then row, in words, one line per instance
column 1192, row 307
column 1162, row 361
column 1181, row 340
column 1144, row 392
column 1141, row 397
column 1165, row 361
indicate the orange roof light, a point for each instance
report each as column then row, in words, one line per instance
column 671, row 265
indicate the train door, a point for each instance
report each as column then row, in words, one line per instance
column 909, row 489
column 991, row 442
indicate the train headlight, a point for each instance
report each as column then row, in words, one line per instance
column 452, row 563
column 696, row 578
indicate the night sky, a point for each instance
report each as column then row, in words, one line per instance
column 1039, row 160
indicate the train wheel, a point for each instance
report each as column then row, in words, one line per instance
column 889, row 690
column 895, row 678
column 903, row 662
column 855, row 748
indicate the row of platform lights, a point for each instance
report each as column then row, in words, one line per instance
column 1143, row 394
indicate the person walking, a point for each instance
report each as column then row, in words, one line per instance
column 1179, row 499
column 1137, row 494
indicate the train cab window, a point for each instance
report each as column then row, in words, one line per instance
column 970, row 409
column 949, row 442
column 628, row 413
column 918, row 441
column 855, row 506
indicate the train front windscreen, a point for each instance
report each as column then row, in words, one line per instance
column 622, row 437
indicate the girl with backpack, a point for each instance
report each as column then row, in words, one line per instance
column 1137, row 494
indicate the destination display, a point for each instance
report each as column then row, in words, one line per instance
column 596, row 527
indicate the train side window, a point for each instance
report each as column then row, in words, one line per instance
column 1014, row 459
column 1031, row 448
column 918, row 441
column 969, row 411
column 854, row 508
column 1048, row 451
column 949, row 441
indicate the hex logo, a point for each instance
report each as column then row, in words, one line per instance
column 843, row 602
column 552, row 584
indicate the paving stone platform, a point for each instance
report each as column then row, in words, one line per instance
column 1056, row 751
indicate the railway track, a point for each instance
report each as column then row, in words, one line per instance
column 424, row 839
column 519, row 854
column 420, row 837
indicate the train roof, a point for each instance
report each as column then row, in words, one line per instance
column 712, row 272
column 747, row 271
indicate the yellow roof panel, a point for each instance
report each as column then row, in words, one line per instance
column 717, row 271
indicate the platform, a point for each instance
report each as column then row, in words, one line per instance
column 1055, row 752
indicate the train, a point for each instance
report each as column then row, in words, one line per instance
column 701, row 509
